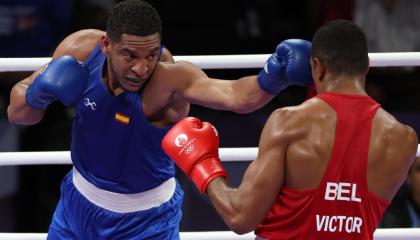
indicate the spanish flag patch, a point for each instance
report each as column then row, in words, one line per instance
column 122, row 118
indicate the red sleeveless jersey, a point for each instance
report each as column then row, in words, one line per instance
column 341, row 207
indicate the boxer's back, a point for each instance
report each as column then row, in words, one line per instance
column 337, row 169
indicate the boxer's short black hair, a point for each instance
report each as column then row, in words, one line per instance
column 133, row 17
column 341, row 45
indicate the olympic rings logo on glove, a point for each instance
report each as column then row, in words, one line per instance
column 186, row 145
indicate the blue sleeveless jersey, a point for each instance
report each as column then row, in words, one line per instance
column 114, row 146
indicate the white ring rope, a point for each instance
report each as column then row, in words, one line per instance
column 63, row 157
column 226, row 61
column 380, row 234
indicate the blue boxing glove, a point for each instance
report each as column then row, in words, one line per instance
column 289, row 65
column 63, row 78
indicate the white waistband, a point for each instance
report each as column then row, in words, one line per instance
column 124, row 203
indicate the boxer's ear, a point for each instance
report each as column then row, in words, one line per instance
column 105, row 44
column 318, row 69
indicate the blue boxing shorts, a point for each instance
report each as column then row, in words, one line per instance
column 86, row 212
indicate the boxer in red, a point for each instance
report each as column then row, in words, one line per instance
column 326, row 169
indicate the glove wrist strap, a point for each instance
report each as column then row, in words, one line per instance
column 205, row 172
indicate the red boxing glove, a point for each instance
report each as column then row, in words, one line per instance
column 194, row 146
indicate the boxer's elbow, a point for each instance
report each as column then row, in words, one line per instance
column 244, row 107
column 12, row 115
column 18, row 111
column 249, row 102
column 233, row 206
column 240, row 224
column 23, row 117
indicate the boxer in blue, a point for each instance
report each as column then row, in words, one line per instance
column 128, row 92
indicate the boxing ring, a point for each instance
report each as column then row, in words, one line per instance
column 226, row 154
